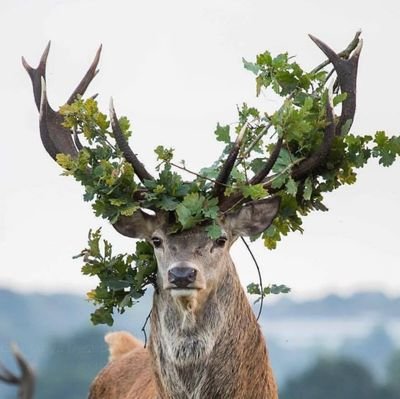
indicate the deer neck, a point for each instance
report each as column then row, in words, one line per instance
column 217, row 351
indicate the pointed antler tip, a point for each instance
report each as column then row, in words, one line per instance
column 15, row 348
column 45, row 54
column 312, row 37
column 25, row 64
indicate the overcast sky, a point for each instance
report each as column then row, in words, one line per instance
column 174, row 68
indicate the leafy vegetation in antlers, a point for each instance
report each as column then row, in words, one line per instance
column 298, row 152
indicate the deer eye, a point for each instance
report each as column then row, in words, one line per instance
column 220, row 242
column 157, row 241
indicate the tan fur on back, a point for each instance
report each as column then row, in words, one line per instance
column 120, row 343
column 129, row 374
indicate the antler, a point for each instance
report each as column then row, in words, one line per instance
column 228, row 165
column 129, row 155
column 346, row 67
column 26, row 381
column 55, row 137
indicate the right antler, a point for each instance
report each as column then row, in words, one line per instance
column 346, row 67
column 25, row 382
column 58, row 139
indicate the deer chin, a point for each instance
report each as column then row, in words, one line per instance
column 183, row 292
column 187, row 298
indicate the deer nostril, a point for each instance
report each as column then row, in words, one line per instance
column 182, row 276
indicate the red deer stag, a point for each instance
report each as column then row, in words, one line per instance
column 205, row 341
column 25, row 382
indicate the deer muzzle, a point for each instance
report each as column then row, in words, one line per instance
column 182, row 276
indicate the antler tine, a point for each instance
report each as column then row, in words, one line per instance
column 36, row 74
column 26, row 381
column 228, row 165
column 346, row 70
column 7, row 376
column 123, row 145
column 263, row 173
column 89, row 76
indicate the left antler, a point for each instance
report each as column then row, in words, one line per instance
column 25, row 382
column 58, row 139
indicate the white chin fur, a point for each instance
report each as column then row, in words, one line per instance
column 180, row 293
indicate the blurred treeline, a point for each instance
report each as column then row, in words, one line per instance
column 350, row 357
column 72, row 363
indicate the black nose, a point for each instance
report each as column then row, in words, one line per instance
column 182, row 276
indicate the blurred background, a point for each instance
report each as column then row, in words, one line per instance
column 333, row 347
column 175, row 69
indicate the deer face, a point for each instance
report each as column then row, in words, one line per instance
column 190, row 264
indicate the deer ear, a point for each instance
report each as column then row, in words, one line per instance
column 139, row 225
column 253, row 218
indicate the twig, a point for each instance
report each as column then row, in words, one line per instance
column 196, row 174
column 283, row 171
column 144, row 328
column 259, row 276
column 256, row 140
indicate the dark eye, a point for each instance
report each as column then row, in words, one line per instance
column 220, row 242
column 157, row 241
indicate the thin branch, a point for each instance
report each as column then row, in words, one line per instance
column 144, row 328
column 259, row 276
column 256, row 140
column 197, row 174
column 283, row 171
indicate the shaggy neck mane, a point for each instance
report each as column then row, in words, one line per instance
column 216, row 351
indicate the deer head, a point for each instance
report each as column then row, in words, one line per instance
column 190, row 264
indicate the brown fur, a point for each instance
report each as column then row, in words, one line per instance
column 129, row 376
column 121, row 343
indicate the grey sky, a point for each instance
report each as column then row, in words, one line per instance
column 174, row 68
